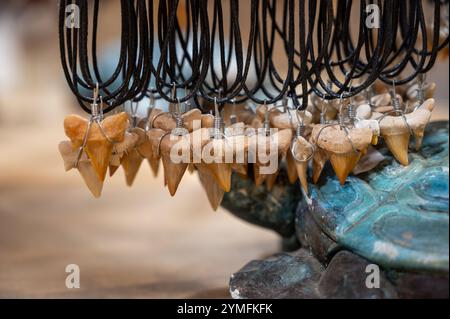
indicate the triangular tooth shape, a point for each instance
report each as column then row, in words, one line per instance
column 259, row 178
column 343, row 164
column 221, row 172
column 90, row 178
column 98, row 147
column 418, row 137
column 302, row 172
column 270, row 181
column 112, row 170
column 87, row 172
column 319, row 160
column 174, row 171
column 398, row 145
column 131, row 163
column 100, row 153
column 154, row 165
column 291, row 168
column 213, row 191
column 69, row 154
column 173, row 174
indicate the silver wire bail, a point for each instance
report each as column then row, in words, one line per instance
column 233, row 116
column 95, row 112
column 217, row 121
column 341, row 113
column 420, row 92
column 395, row 100
column 266, row 120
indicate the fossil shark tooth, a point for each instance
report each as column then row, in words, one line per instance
column 262, row 149
column 98, row 146
column 303, row 151
column 284, row 119
column 343, row 164
column 154, row 136
column 319, row 160
column 173, row 150
column 219, row 168
column 207, row 120
column 131, row 163
column 85, row 168
column 396, row 130
column 259, row 178
column 213, row 191
column 398, row 144
column 343, row 149
column 132, row 159
column 119, row 149
column 270, row 181
column 291, row 168
column 167, row 122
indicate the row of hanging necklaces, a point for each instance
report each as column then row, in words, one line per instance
column 237, row 113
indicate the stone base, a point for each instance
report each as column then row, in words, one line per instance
column 300, row 275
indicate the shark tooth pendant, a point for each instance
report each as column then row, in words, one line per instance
column 167, row 122
column 343, row 164
column 84, row 167
column 263, row 144
column 132, row 159
column 174, row 171
column 154, row 136
column 396, row 130
column 342, row 147
column 272, row 178
column 98, row 146
column 291, row 168
column 213, row 191
column 301, row 152
column 131, row 163
column 219, row 169
column 119, row 149
column 320, row 158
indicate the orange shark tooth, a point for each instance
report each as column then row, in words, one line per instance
column 319, row 160
column 132, row 159
column 259, row 178
column 146, row 151
column 398, row 145
column 343, row 164
column 303, row 151
column 174, row 171
column 219, row 169
column 270, row 180
column 86, row 170
column 119, row 150
column 213, row 191
column 98, row 147
column 131, row 163
column 343, row 149
column 154, row 137
column 396, row 130
column 302, row 171
column 166, row 121
column 291, row 168
column 207, row 120
column 263, row 146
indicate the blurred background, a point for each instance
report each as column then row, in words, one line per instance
column 133, row 242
